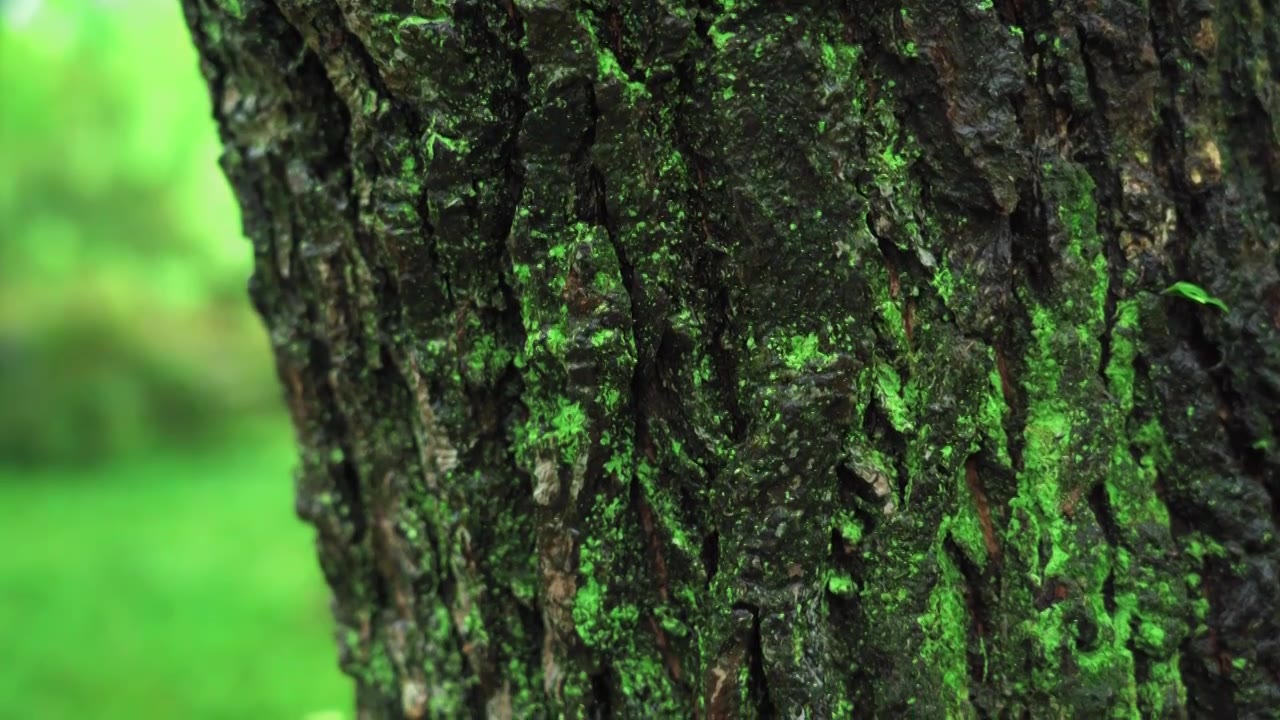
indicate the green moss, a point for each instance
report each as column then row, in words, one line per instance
column 1077, row 428
column 965, row 526
column 945, row 626
column 945, row 283
column 410, row 21
column 233, row 8
column 608, row 70
column 456, row 146
column 666, row 508
column 379, row 670
column 487, row 360
column 849, row 527
column 802, row 352
column 569, row 428
column 589, row 609
column 841, row 584
column 1062, row 436
column 890, row 394
column 1152, row 635
column 645, row 680
column 719, row 37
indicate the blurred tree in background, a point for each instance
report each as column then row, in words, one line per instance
column 123, row 319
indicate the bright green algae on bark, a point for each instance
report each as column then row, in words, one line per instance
column 1073, row 423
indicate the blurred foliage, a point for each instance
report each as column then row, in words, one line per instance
column 154, row 568
column 123, row 320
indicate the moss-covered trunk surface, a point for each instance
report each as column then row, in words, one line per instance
column 735, row 358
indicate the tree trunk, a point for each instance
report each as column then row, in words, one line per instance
column 744, row 358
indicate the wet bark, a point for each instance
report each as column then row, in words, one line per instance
column 733, row 358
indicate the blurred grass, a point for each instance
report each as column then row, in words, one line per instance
column 153, row 567
column 167, row 585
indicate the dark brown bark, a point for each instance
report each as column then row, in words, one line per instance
column 734, row 358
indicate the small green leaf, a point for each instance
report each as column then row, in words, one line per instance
column 1191, row 291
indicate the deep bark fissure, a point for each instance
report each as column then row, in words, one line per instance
column 1100, row 506
column 975, row 583
column 758, row 682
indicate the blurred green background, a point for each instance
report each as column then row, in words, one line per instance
column 152, row 566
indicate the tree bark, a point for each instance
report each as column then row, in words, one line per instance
column 737, row 358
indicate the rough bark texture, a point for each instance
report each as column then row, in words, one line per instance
column 734, row 358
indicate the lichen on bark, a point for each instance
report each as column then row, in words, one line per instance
column 734, row 358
